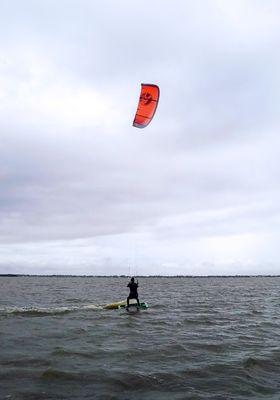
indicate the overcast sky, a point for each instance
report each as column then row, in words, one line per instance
column 84, row 192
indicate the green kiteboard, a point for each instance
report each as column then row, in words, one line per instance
column 133, row 307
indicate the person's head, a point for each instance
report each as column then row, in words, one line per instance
column 132, row 279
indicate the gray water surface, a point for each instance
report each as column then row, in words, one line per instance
column 201, row 338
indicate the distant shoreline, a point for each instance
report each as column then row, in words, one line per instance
column 138, row 276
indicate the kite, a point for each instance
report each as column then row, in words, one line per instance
column 147, row 105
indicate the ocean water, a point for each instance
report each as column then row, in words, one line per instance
column 201, row 338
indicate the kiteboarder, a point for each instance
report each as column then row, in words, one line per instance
column 133, row 294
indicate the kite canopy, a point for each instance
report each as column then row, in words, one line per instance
column 147, row 105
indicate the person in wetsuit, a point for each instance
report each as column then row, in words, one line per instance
column 133, row 294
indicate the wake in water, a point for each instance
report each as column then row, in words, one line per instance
column 41, row 311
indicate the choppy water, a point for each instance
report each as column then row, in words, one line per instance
column 202, row 338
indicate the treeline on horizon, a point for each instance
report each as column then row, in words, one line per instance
column 138, row 276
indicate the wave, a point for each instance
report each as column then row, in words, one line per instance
column 52, row 373
column 44, row 311
column 118, row 380
column 262, row 363
column 68, row 353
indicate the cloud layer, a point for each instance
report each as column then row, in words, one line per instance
column 82, row 191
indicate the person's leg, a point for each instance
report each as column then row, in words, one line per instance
column 127, row 301
column 138, row 302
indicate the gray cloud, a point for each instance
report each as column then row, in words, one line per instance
column 80, row 186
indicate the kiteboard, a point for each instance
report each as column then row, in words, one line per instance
column 133, row 307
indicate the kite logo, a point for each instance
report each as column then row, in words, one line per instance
column 146, row 98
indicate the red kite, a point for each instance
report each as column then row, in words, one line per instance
column 147, row 105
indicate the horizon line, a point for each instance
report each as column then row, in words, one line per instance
column 141, row 276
